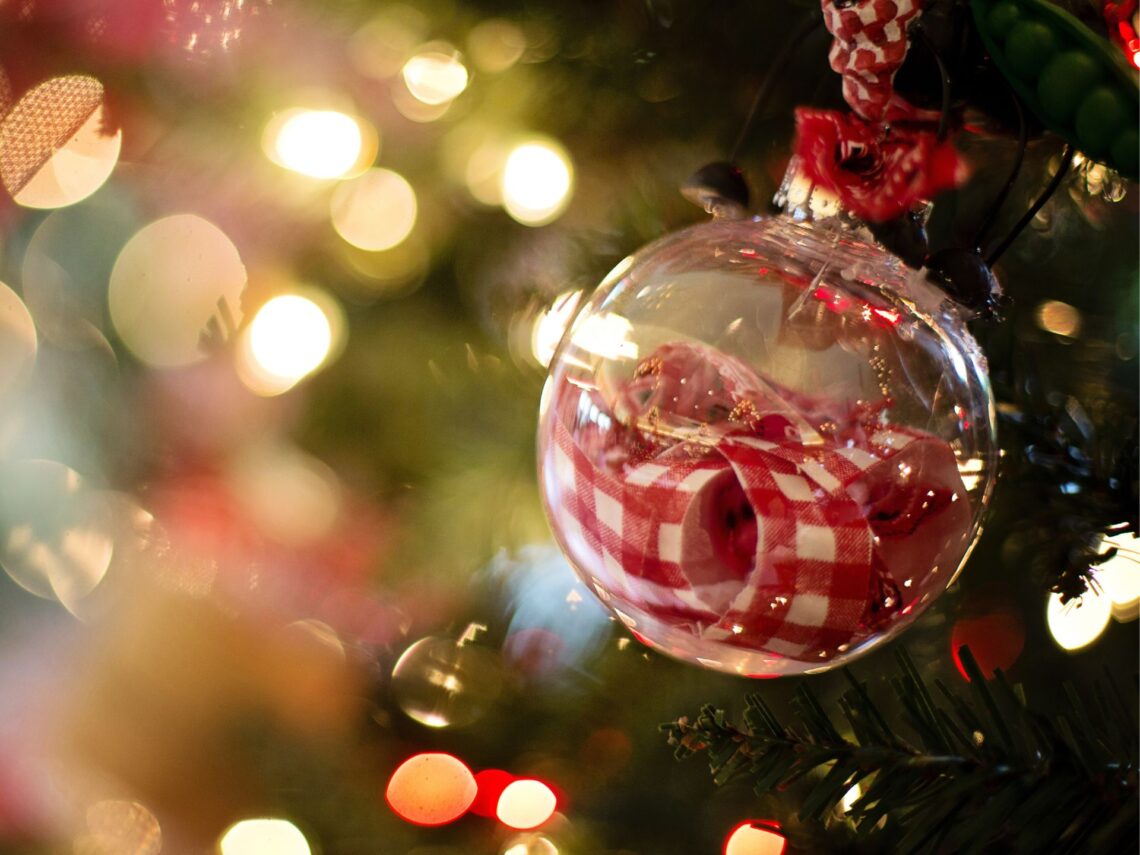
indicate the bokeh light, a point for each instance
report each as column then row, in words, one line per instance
column 57, row 540
column 380, row 48
column 264, row 837
column 76, row 169
column 551, row 324
column 435, row 75
column 755, row 838
column 483, row 172
column 531, row 844
column 537, row 182
column 495, row 44
column 290, row 337
column 431, row 789
column 375, row 211
column 18, row 342
column 1119, row 576
column 1078, row 623
column 53, row 149
column 318, row 143
column 122, row 828
column 443, row 683
column 996, row 639
column 526, row 803
column 169, row 280
column 1059, row 318
column 292, row 497
column 490, row 784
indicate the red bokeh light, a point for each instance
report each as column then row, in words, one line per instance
column 995, row 638
column 490, row 783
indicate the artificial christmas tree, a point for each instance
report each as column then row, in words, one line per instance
column 280, row 297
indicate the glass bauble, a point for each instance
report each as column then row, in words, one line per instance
column 766, row 445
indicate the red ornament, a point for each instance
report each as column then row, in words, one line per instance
column 877, row 172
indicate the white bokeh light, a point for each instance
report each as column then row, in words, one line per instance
column 374, row 212
column 316, row 143
column 290, row 337
column 1078, row 623
column 435, row 77
column 537, row 182
column 264, row 837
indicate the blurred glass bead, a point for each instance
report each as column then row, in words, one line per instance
column 441, row 682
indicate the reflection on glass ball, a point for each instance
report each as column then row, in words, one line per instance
column 766, row 446
column 440, row 682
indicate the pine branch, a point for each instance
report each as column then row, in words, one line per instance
column 978, row 773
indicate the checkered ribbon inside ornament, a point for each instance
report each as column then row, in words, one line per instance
column 721, row 508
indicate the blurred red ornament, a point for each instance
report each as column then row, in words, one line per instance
column 877, row 172
column 995, row 638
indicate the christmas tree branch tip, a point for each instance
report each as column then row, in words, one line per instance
column 957, row 771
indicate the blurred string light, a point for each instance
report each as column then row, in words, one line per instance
column 525, row 804
column 120, row 827
column 431, row 789
column 264, row 837
column 495, row 44
column 290, row 337
column 1059, row 318
column 319, row 143
column 1078, row 623
column 380, row 48
column 551, row 324
column 537, row 182
column 483, row 172
column 18, row 343
column 1119, row 576
column 54, row 150
column 172, row 276
column 755, row 838
column 530, row 844
column 435, row 75
column 375, row 211
column 57, row 540
column 440, row 682
column 291, row 497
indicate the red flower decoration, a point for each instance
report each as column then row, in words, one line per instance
column 877, row 172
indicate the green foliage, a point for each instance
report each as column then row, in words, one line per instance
column 978, row 773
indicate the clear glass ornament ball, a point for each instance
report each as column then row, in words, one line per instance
column 441, row 682
column 766, row 446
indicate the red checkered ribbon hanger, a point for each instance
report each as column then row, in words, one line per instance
column 869, row 46
column 729, row 514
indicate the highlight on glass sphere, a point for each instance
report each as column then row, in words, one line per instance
column 440, row 682
column 766, row 446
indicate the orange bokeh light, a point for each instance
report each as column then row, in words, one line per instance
column 431, row 789
column 755, row 837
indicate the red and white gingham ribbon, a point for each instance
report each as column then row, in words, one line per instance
column 779, row 541
column 869, row 46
